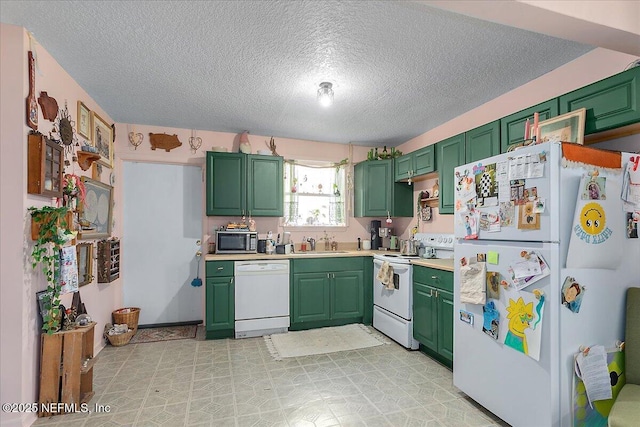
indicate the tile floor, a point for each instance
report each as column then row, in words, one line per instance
column 237, row 383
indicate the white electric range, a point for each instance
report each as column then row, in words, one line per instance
column 393, row 308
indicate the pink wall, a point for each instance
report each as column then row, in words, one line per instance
column 288, row 148
column 20, row 334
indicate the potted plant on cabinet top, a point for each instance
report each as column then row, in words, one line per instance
column 50, row 228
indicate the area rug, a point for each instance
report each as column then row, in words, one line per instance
column 164, row 334
column 322, row 341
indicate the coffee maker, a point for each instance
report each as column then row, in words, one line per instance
column 385, row 237
column 376, row 240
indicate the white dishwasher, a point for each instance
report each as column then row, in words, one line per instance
column 261, row 297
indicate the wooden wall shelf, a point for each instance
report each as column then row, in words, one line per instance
column 432, row 201
column 86, row 159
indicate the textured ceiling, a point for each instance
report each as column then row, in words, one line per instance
column 399, row 69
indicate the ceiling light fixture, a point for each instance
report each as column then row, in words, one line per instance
column 325, row 94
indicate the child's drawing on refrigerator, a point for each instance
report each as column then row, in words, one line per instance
column 525, row 331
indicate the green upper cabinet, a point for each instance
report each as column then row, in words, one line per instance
column 265, row 183
column 450, row 154
column 610, row 103
column 425, row 160
column 376, row 192
column 417, row 163
column 403, row 166
column 512, row 126
column 482, row 142
column 241, row 184
column 226, row 183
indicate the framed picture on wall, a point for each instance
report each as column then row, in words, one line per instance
column 85, row 263
column 95, row 211
column 102, row 136
column 84, row 121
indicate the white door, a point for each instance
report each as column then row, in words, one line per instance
column 162, row 207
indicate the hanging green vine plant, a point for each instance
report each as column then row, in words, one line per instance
column 53, row 232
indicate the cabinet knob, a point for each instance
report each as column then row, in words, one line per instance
column 434, row 277
column 436, row 294
column 220, row 268
column 430, row 292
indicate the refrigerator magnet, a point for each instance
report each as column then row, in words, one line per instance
column 572, row 294
column 491, row 320
column 632, row 224
column 466, row 317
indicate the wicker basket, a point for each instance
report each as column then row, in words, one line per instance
column 120, row 339
column 128, row 315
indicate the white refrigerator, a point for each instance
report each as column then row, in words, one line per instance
column 535, row 388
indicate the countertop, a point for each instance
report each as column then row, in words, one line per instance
column 440, row 264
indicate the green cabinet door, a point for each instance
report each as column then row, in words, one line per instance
column 265, row 185
column 311, row 297
column 424, row 160
column 425, row 315
column 450, row 154
column 445, row 324
column 220, row 314
column 610, row 103
column 482, row 142
column 347, row 294
column 403, row 167
column 378, row 187
column 420, row 162
column 376, row 194
column 225, row 184
column 512, row 126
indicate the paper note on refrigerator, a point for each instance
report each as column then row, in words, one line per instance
column 527, row 166
column 592, row 369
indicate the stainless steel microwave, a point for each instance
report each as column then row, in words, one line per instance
column 236, row 242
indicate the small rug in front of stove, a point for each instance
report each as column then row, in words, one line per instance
column 322, row 341
column 164, row 334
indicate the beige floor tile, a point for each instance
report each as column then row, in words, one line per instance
column 238, row 383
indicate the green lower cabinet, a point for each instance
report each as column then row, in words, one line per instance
column 433, row 312
column 424, row 315
column 330, row 292
column 347, row 294
column 220, row 303
column 445, row 324
column 311, row 297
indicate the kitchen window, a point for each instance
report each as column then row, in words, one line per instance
column 314, row 194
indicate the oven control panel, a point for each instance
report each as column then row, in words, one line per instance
column 436, row 240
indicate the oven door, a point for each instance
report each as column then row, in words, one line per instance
column 398, row 300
